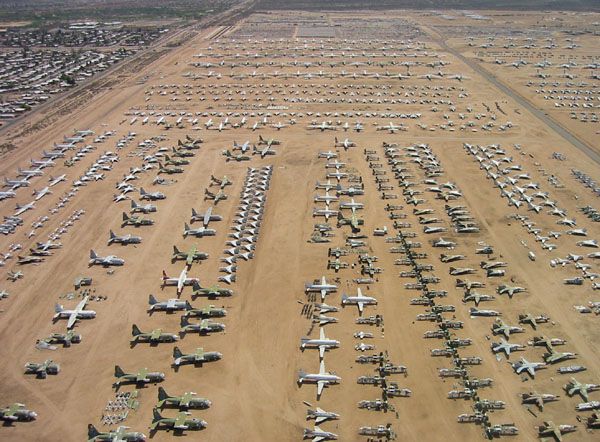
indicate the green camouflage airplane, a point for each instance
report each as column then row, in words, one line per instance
column 119, row 435
column 206, row 312
column 211, row 292
column 168, row 170
column 182, row 153
column 175, row 161
column 143, row 376
column 204, row 327
column 221, row 182
column 180, row 423
column 154, row 337
column 184, row 402
column 16, row 413
column 199, row 357
column 239, row 157
column 135, row 221
column 190, row 256
column 220, row 195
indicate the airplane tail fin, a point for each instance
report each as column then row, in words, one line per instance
column 93, row 255
column 152, row 300
column 142, row 191
column 164, row 276
column 194, row 213
column 196, row 285
column 344, row 297
column 184, row 321
column 176, row 352
column 133, row 204
column 112, row 236
column 176, row 250
column 156, row 415
column 58, row 308
column 92, row 432
column 186, row 227
column 119, row 372
column 135, row 330
column 162, row 395
column 125, row 217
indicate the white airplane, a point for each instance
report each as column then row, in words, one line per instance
column 323, row 287
column 327, row 155
column 322, row 343
column 392, row 128
column 201, row 231
column 41, row 164
column 29, row 173
column 74, row 315
column 322, row 378
column 181, row 281
column 105, row 261
column 322, row 127
column 346, row 143
column 318, row 435
column 359, row 300
column 320, row 415
column 205, row 217
column 243, row 147
column 55, row 181
column 40, row 194
column 15, row 184
column 146, row 208
column 24, row 208
column 7, row 194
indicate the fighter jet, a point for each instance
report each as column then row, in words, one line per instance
column 178, row 161
column 123, row 239
column 143, row 376
column 135, row 221
column 360, row 300
column 184, row 402
column 189, row 257
column 549, row 429
column 105, row 261
column 199, row 357
column 553, row 356
column 29, row 259
column 322, row 343
column 203, row 327
column 211, row 292
column 323, row 287
column 154, row 337
column 216, row 197
column 506, row 347
column 182, row 422
column 524, row 365
column 320, row 415
column 146, row 208
column 221, row 182
column 500, row 327
column 16, row 413
column 169, row 306
column 199, row 232
column 538, row 399
column 73, row 315
column 528, row 318
column 152, row 196
column 205, row 217
column 119, row 435
column 576, row 387
column 476, row 297
column 181, row 281
column 509, row 290
column 322, row 378
column 66, row 339
column 318, row 435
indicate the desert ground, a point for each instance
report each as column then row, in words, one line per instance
column 253, row 388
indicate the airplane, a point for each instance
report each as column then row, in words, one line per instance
column 204, row 327
column 169, row 306
column 322, row 127
column 13, row 276
column 509, row 290
column 16, row 413
column 263, row 152
column 199, row 357
column 177, row 161
column 146, row 208
column 528, row 318
column 451, row 258
column 211, row 292
column 549, row 429
column 199, row 232
column 524, row 365
column 230, row 157
column 216, row 197
column 268, row 142
column 499, row 327
column 349, row 191
column 143, row 376
column 576, row 387
column 392, row 128
column 345, row 143
column 506, row 347
column 318, row 435
column 205, row 217
column 538, row 399
column 119, row 435
column 242, row 147
column 323, row 287
column 476, row 297
column 7, row 194
column 206, row 312
column 105, row 261
column 181, row 281
column 327, row 155
column 29, row 173
column 222, row 182
column 136, row 221
column 66, row 339
column 42, row 369
column 41, row 164
column 123, row 239
column 22, row 209
column 320, row 415
column 359, row 300
column 154, row 337
column 15, row 183
column 322, row 378
column 553, row 356
column 73, row 315
column 53, row 154
column 190, row 256
column 181, row 422
column 41, row 193
column 457, row 271
column 168, row 170
column 184, row 402
column 322, row 343
column 29, row 259
column 336, row 265
column 152, row 196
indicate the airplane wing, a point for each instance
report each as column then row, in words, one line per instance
column 81, row 304
column 180, row 420
column 320, row 386
column 141, row 375
column 171, row 303
column 322, row 334
column 361, row 306
column 531, row 371
column 321, row 350
column 318, row 438
column 72, row 319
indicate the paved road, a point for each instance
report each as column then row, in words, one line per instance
column 593, row 154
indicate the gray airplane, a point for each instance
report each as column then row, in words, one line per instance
column 538, row 399
column 123, row 239
column 152, row 196
column 322, row 343
column 323, row 287
column 105, row 261
column 200, row 232
column 322, row 378
column 205, row 217
column 530, row 367
column 169, row 306
column 178, row 424
column 506, row 347
column 360, row 300
column 73, row 315
column 318, row 435
column 146, row 208
column 320, row 415
column 500, row 327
